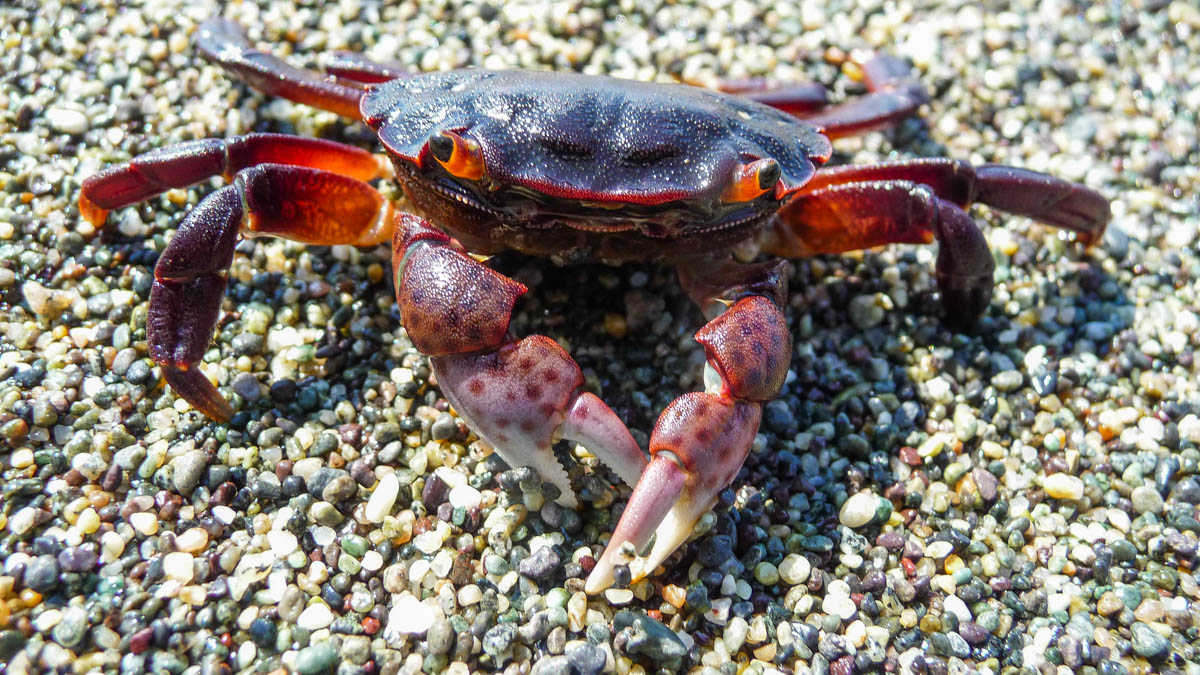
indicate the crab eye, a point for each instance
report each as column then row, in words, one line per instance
column 457, row 154
column 752, row 180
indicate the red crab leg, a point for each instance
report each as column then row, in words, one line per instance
column 358, row 68
column 300, row 203
column 521, row 396
column 794, row 98
column 893, row 95
column 1044, row 198
column 224, row 43
column 837, row 217
column 702, row 439
column 188, row 163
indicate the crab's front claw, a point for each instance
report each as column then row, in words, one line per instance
column 701, row 439
column 521, row 396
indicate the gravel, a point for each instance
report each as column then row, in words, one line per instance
column 1017, row 498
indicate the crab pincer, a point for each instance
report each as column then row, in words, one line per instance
column 701, row 439
column 520, row 395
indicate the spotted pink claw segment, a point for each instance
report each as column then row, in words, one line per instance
column 522, row 396
column 701, row 439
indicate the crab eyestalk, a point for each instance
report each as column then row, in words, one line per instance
column 752, row 180
column 459, row 155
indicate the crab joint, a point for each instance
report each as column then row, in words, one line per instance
column 460, row 156
column 752, row 180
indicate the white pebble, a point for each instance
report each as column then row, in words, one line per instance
column 144, row 522
column 323, row 535
column 939, row 549
column 282, row 543
column 315, row 617
column 954, row 605
column 178, row 566
column 795, row 569
column 1063, row 486
column 22, row 520
column 618, row 596
column 428, row 542
column 383, row 498
column 224, row 513
column 465, row 497
column 372, row 561
column 859, row 509
column 67, row 121
column 410, row 615
column 192, row 540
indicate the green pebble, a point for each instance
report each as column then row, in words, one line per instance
column 1165, row 578
column 1123, row 550
column 44, row 414
column 766, row 573
column 557, row 597
column 1147, row 642
column 818, row 543
column 953, row 473
column 354, row 545
column 495, row 564
column 317, row 658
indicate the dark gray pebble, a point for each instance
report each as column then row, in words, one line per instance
column 42, row 573
column 540, row 564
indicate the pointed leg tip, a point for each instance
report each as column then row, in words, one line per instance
column 192, row 386
column 91, row 212
column 601, row 578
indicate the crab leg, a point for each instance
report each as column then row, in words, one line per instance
column 358, row 68
column 1044, row 198
column 793, row 98
column 224, row 43
column 521, row 396
column 178, row 166
column 300, row 203
column 837, row 216
column 893, row 94
column 702, row 439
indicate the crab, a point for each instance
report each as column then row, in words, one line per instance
column 574, row 167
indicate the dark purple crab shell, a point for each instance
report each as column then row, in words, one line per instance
column 594, row 138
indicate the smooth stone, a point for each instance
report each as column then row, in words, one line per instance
column 315, row 616
column 1147, row 642
column 189, row 469
column 1063, row 486
column 316, row 658
column 858, row 510
column 383, row 498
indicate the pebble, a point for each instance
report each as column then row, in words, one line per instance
column 70, row 631
column 1148, row 642
column 380, row 504
column 1146, row 499
column 189, row 469
column 67, row 121
column 144, row 522
column 41, row 574
column 540, row 564
column 179, row 566
column 795, row 569
column 1063, row 486
column 315, row 617
column 317, row 658
column 859, row 510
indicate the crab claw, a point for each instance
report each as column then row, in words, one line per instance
column 701, row 439
column 521, row 396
